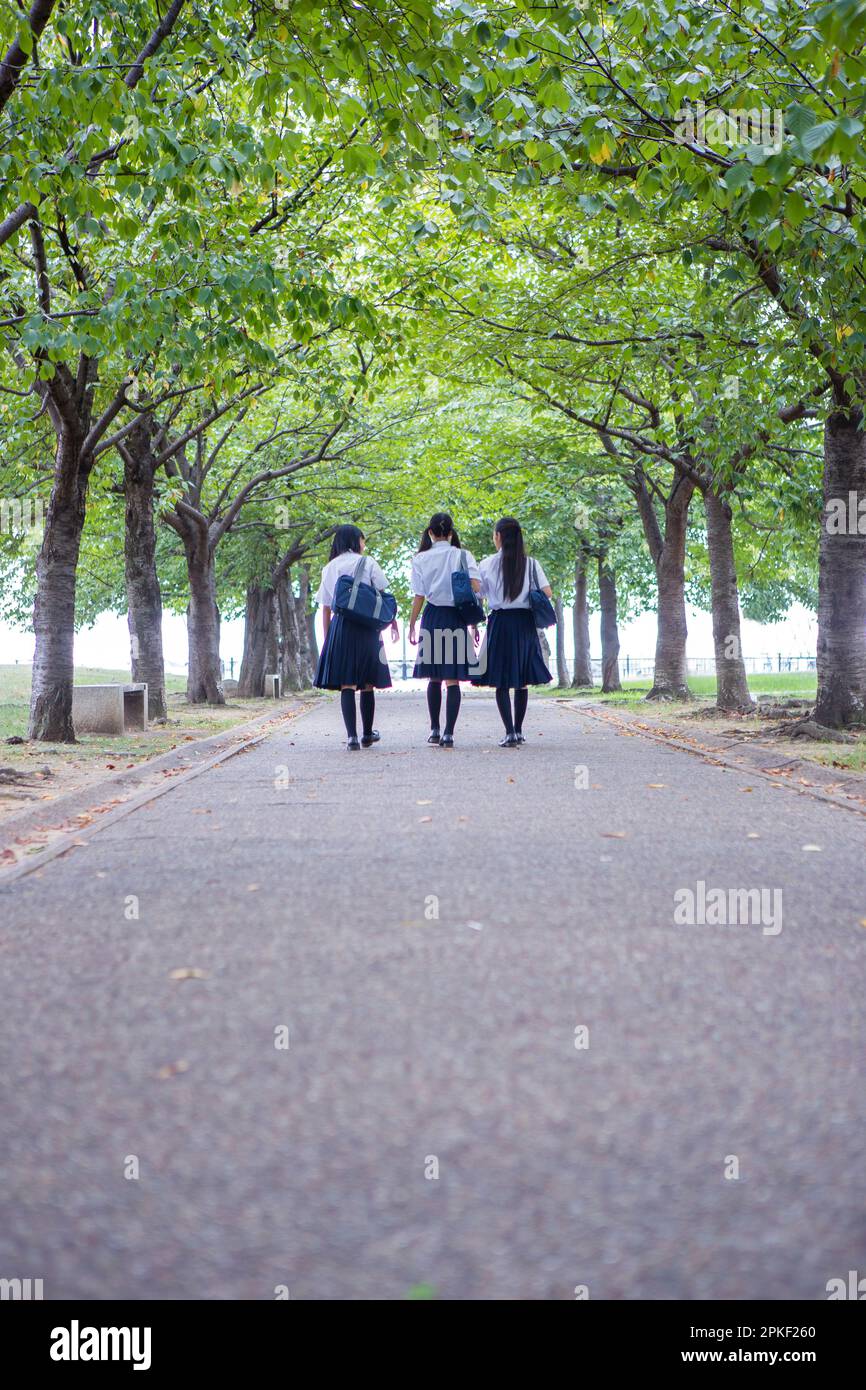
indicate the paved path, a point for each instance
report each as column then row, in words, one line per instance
column 412, row 1039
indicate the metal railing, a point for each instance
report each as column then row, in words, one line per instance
column 638, row 667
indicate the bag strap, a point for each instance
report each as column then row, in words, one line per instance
column 464, row 563
column 356, row 580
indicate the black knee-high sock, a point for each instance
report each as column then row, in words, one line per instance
column 350, row 714
column 503, row 704
column 521, row 700
column 452, row 707
column 368, row 710
column 434, row 702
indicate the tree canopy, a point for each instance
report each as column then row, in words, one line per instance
column 269, row 266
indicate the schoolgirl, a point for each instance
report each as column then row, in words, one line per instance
column 511, row 657
column 447, row 648
column 353, row 657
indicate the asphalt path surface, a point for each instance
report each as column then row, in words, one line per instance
column 436, row 1124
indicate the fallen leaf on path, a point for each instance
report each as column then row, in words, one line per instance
column 863, row 921
column 424, row 803
column 476, row 926
column 252, row 888
column 656, row 785
column 425, row 820
column 172, row 1069
column 613, row 834
column 190, row 972
column 815, row 848
column 753, row 835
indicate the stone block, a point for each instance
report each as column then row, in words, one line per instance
column 109, row 709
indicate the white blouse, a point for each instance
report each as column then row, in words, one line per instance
column 491, row 582
column 345, row 564
column 432, row 570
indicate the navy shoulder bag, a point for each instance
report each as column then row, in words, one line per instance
column 361, row 602
column 465, row 597
column 543, row 610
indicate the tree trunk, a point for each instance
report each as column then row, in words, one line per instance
column 258, row 640
column 204, row 681
column 310, row 614
column 54, row 609
column 582, row 660
column 668, row 550
column 561, row 666
column 273, row 660
column 842, row 575
column 308, row 657
column 610, row 681
column 732, row 686
column 143, row 593
column 290, row 637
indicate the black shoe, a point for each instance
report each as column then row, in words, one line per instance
column 353, row 745
column 372, row 737
column 434, row 736
column 510, row 741
column 521, row 737
column 446, row 741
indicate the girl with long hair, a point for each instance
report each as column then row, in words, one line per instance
column 511, row 657
column 353, row 657
column 446, row 644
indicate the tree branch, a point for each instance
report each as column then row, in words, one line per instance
column 16, row 59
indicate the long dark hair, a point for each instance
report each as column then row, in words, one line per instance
column 442, row 526
column 346, row 538
column 513, row 556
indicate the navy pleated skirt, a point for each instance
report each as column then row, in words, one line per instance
column 445, row 649
column 510, row 655
column 352, row 655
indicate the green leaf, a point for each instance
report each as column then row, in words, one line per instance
column 819, row 135
column 796, row 208
column 738, row 175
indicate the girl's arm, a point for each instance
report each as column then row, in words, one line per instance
column 417, row 605
column 326, row 618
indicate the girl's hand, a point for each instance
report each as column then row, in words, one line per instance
column 476, row 636
column 413, row 636
column 395, row 632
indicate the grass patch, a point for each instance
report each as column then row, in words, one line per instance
column 76, row 766
column 852, row 759
column 796, row 683
column 15, row 692
column 799, row 684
